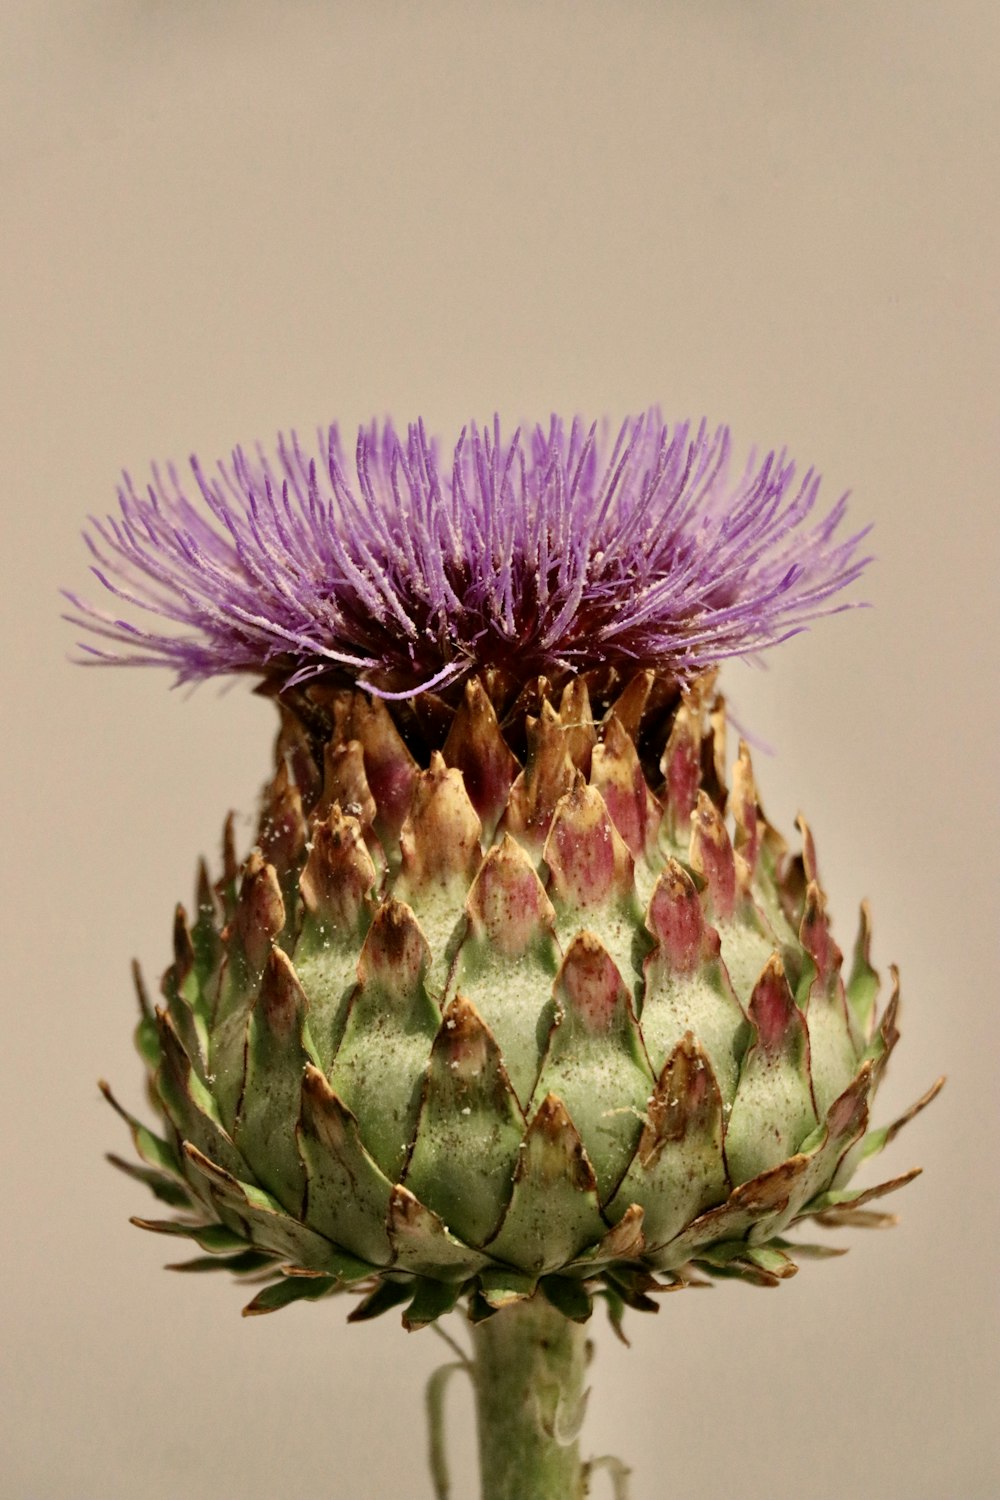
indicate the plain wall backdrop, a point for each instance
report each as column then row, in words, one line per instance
column 220, row 219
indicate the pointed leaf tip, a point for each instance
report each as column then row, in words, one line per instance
column 677, row 920
column 711, row 856
column 686, row 1099
column 577, row 720
column 507, row 905
column 281, row 833
column 440, row 836
column 345, row 785
column 230, row 863
column 141, row 992
column 864, row 982
column 547, row 775
column 815, row 935
column 470, row 1120
column 745, row 807
column 809, row 863
column 589, row 862
column 595, row 1060
column 590, row 986
column 183, row 946
column 626, row 1240
column 553, row 1143
column 681, row 768
column 395, row 953
column 291, row 1289
column 389, row 767
column 282, row 1002
column 339, row 874
column 260, row 910
column 618, row 775
column 347, row 1196
column 465, row 1048
column 553, row 1211
column 476, row 747
column 423, row 1244
column 679, row 1169
column 774, row 1082
column 772, row 1007
column 630, row 707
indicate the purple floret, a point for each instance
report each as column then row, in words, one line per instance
column 559, row 549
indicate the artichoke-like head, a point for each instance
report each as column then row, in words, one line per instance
column 513, row 996
column 469, row 1023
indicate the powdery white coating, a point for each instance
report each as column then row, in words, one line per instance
column 560, row 548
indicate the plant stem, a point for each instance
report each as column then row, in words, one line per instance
column 528, row 1374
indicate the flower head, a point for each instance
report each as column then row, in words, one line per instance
column 513, row 1004
column 556, row 550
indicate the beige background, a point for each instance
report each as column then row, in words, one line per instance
column 219, row 218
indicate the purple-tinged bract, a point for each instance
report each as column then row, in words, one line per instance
column 562, row 549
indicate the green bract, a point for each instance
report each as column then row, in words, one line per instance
column 510, row 997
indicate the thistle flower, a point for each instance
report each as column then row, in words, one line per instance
column 554, row 553
column 513, row 1005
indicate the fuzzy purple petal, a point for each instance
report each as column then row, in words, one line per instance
column 556, row 549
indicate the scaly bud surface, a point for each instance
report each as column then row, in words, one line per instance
column 464, row 1027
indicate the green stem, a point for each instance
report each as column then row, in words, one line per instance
column 528, row 1374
